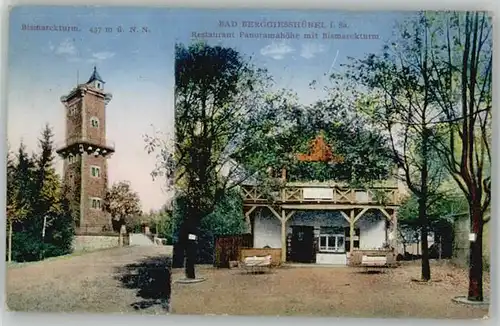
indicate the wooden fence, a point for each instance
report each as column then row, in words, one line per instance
column 227, row 248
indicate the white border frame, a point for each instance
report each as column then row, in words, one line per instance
column 11, row 318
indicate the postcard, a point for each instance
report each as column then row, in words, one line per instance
column 249, row 162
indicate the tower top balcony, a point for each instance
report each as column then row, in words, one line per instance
column 79, row 145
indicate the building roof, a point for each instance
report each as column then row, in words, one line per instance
column 95, row 76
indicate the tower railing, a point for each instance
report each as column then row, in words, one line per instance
column 75, row 140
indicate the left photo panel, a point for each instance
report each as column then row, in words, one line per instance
column 90, row 116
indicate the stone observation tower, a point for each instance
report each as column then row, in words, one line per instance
column 85, row 153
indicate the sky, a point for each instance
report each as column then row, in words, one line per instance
column 138, row 68
column 295, row 63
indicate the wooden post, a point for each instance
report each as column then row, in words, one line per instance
column 44, row 226
column 248, row 221
column 351, row 232
column 283, row 235
column 395, row 230
column 123, row 230
column 283, row 174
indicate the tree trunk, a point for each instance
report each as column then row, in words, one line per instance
column 190, row 259
column 190, row 247
column 422, row 203
column 440, row 246
column 476, row 255
column 426, row 269
column 10, row 241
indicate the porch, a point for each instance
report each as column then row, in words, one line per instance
column 322, row 224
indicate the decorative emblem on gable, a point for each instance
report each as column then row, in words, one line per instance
column 320, row 151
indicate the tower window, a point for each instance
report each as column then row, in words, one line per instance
column 94, row 122
column 96, row 203
column 71, row 159
column 72, row 110
column 95, row 171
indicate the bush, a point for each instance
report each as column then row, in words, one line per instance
column 226, row 219
column 28, row 244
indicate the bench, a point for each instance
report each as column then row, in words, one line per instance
column 374, row 261
column 159, row 241
column 256, row 264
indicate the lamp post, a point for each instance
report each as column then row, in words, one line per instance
column 42, row 253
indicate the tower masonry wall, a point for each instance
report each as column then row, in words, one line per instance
column 95, row 108
column 94, row 187
column 74, row 119
column 85, row 112
column 72, row 182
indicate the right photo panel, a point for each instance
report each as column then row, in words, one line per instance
column 330, row 163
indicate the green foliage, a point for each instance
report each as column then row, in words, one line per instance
column 226, row 219
column 445, row 209
column 366, row 154
column 37, row 210
column 164, row 226
column 160, row 222
column 122, row 203
column 221, row 103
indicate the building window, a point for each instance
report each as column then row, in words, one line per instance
column 332, row 240
column 94, row 122
column 95, row 171
column 96, row 203
column 71, row 159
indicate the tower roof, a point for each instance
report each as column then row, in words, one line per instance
column 95, row 76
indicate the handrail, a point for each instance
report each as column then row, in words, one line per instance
column 334, row 194
column 85, row 140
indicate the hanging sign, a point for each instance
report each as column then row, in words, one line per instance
column 318, row 193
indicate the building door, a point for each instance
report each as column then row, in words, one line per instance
column 302, row 244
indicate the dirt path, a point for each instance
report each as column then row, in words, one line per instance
column 314, row 291
column 134, row 279
column 131, row 279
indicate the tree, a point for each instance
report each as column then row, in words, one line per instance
column 47, row 203
column 163, row 224
column 226, row 219
column 220, row 99
column 399, row 101
column 160, row 222
column 441, row 213
column 20, row 194
column 17, row 209
column 461, row 66
column 39, row 217
column 122, row 203
column 292, row 131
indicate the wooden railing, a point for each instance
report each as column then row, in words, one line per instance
column 323, row 194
